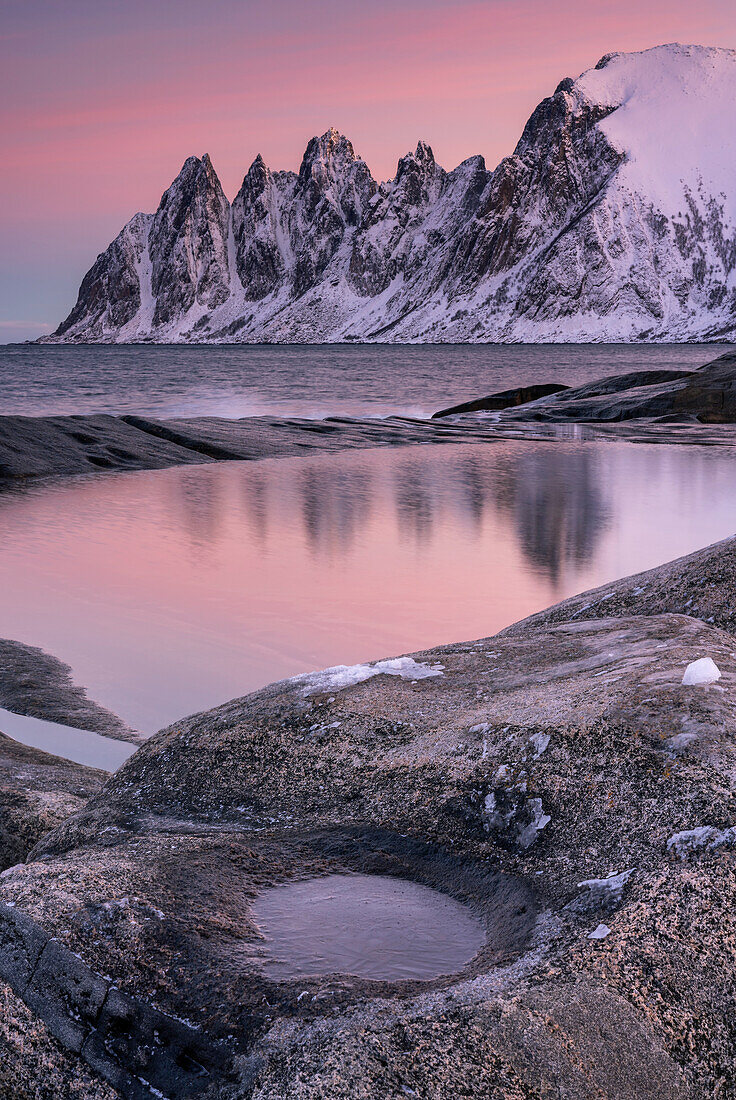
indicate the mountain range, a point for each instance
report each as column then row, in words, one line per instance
column 613, row 220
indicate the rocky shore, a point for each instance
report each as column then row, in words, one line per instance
column 37, row 792
column 39, row 685
column 558, row 778
column 648, row 406
column 703, row 396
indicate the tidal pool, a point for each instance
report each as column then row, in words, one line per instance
column 369, row 926
column 83, row 746
column 171, row 591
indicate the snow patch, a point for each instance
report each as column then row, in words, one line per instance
column 599, row 933
column 605, row 892
column 540, row 741
column 704, row 836
column 343, row 676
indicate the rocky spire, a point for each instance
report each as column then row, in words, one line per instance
column 257, row 212
column 188, row 243
column 332, row 194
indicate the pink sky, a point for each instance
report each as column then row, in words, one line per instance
column 102, row 102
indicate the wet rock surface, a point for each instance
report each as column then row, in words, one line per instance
column 538, row 776
column 703, row 396
column 45, row 446
column 686, row 407
column 39, row 685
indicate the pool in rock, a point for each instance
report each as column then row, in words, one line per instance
column 369, row 926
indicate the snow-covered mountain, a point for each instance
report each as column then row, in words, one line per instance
column 614, row 219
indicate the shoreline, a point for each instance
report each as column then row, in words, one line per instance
column 664, row 406
column 33, row 448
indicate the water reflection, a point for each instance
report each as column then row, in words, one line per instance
column 554, row 499
column 558, row 504
column 171, row 591
column 335, row 504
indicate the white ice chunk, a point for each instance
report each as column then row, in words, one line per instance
column 704, row 671
column 342, row 676
column 599, row 933
column 539, row 821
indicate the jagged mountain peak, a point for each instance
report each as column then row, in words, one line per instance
column 614, row 218
column 422, row 160
column 257, row 178
column 332, row 150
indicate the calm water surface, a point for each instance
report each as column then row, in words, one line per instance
column 371, row 926
column 311, row 381
column 171, row 591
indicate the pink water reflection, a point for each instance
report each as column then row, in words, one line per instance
column 172, row 591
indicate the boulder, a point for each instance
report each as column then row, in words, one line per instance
column 542, row 777
column 520, row 395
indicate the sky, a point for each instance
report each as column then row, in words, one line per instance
column 101, row 101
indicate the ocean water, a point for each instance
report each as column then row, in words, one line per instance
column 169, row 592
column 309, row 381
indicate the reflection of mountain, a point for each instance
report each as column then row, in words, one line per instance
column 556, row 501
column 336, row 502
column 199, row 496
column 550, row 495
column 553, row 496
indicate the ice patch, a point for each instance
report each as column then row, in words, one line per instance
column 680, row 741
column 343, row 676
column 540, row 742
column 704, row 836
column 704, row 671
column 538, row 822
column 606, row 891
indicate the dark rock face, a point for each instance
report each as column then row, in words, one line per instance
column 561, row 163
column 331, row 196
column 558, row 778
column 255, row 217
column 574, row 236
column 386, row 247
column 110, row 294
column 188, row 243
column 506, row 399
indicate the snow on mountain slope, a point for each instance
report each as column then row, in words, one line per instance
column 614, row 219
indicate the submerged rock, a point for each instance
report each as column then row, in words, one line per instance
column 39, row 685
column 538, row 780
